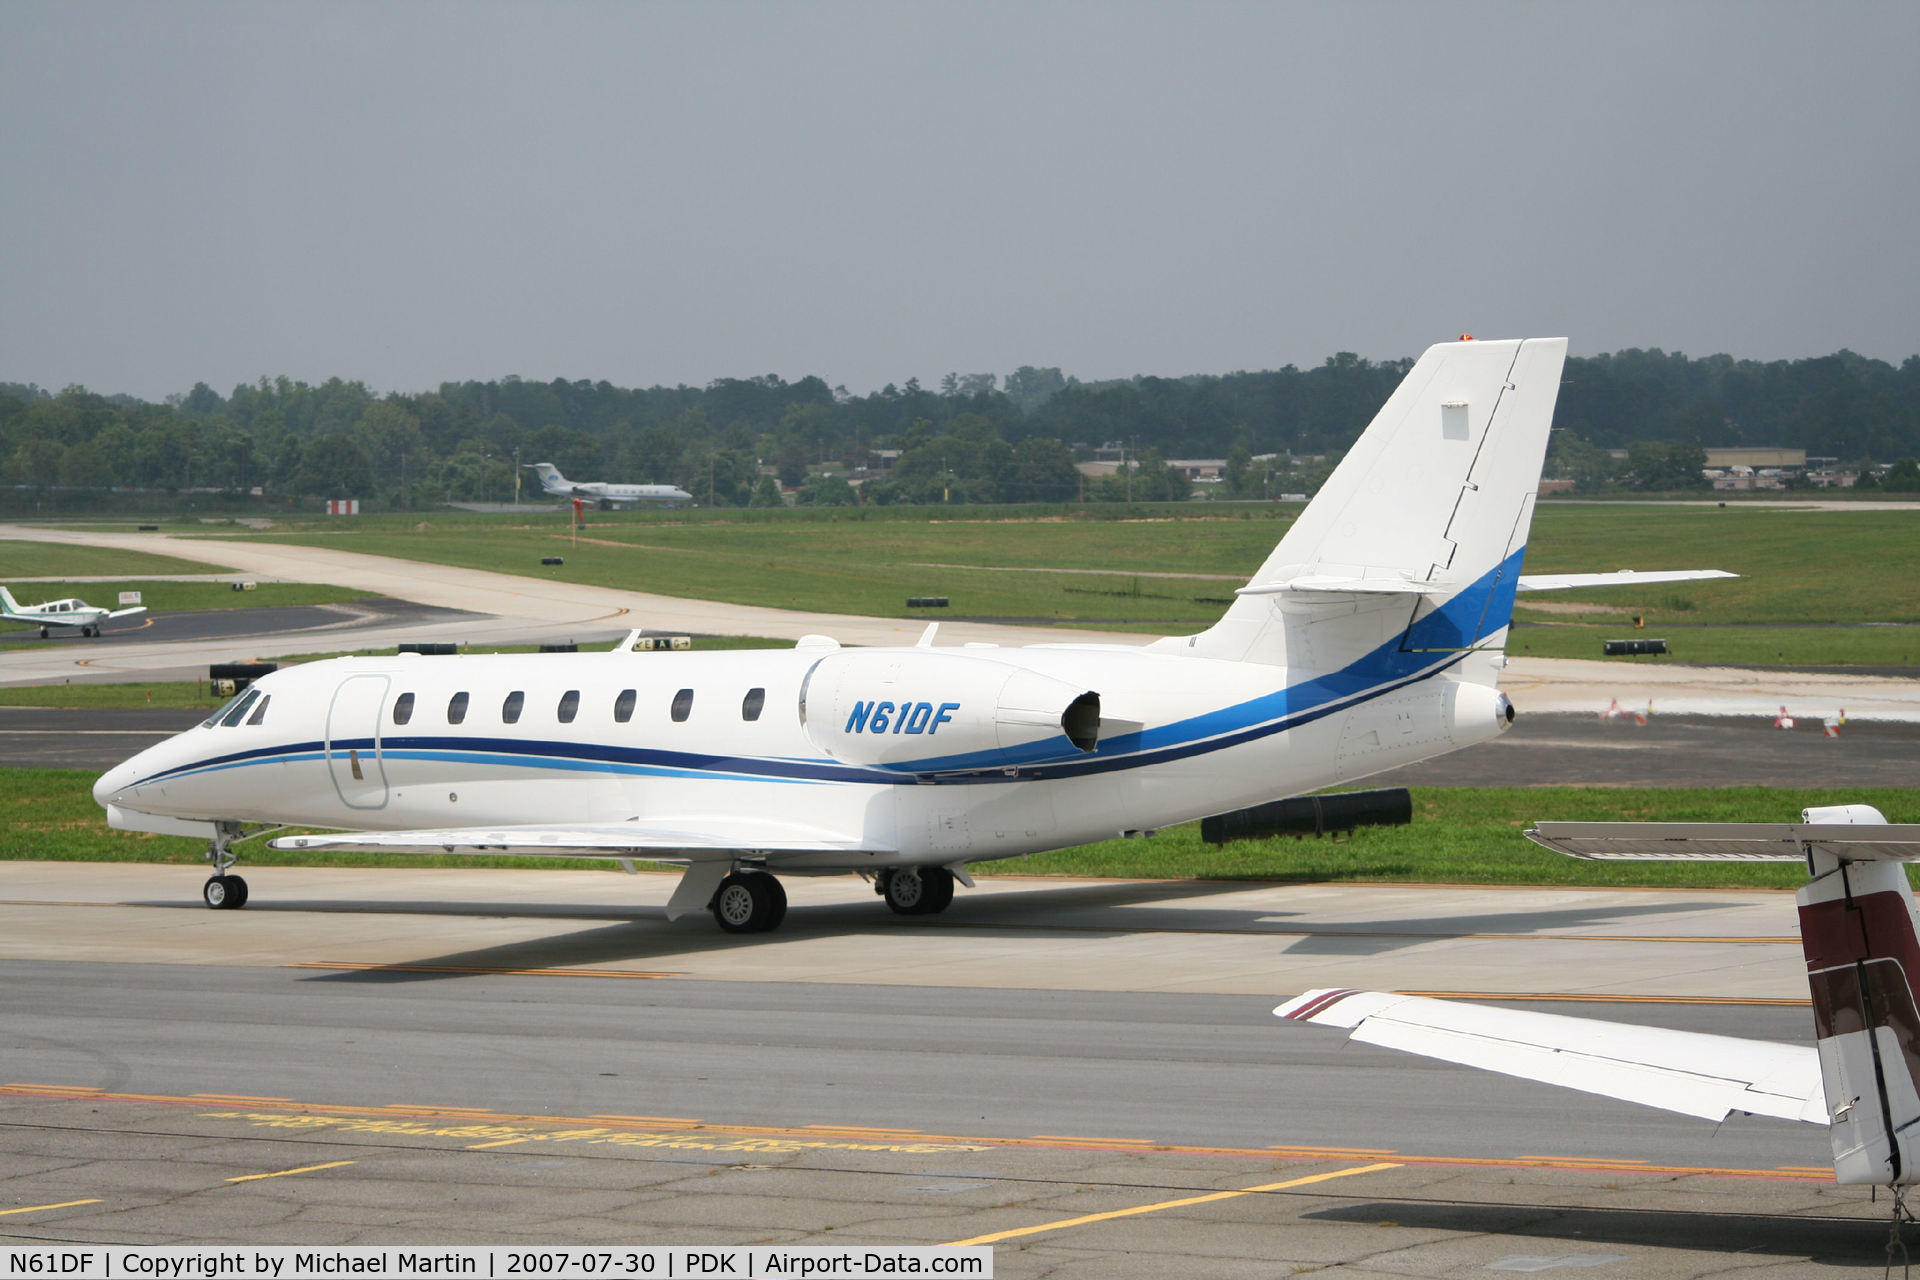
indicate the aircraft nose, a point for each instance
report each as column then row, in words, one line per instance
column 107, row 790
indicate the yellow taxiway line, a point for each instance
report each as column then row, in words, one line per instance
column 305, row 1168
column 1064, row 1223
column 39, row 1208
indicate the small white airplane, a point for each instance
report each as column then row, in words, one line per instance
column 1372, row 637
column 606, row 495
column 62, row 613
column 1857, row 927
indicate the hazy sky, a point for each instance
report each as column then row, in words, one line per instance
column 669, row 193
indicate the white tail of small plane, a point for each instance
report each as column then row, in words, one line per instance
column 8, row 602
column 1858, row 930
column 1414, row 544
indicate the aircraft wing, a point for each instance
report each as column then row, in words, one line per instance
column 1621, row 577
column 689, row 840
column 1685, row 1071
column 128, row 612
column 1728, row 841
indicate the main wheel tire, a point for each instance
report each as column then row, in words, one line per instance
column 776, row 902
column 906, row 892
column 743, row 904
column 224, row 893
column 936, row 890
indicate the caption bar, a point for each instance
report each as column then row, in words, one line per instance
column 293, row 1262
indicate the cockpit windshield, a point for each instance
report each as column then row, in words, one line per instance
column 231, row 711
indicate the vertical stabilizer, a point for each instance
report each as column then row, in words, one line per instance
column 1415, row 541
column 6, row 600
column 1857, row 927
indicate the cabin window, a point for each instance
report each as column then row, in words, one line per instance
column 260, row 709
column 510, row 709
column 403, row 708
column 569, row 706
column 238, row 708
column 751, row 704
column 623, row 706
column 457, row 707
column 682, row 705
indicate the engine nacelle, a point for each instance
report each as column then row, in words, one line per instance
column 930, row 712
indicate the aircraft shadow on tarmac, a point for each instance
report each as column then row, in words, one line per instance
column 1831, row 1241
column 640, row 935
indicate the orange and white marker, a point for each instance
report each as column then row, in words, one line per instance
column 1783, row 720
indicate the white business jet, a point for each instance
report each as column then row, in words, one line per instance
column 1857, row 929
column 62, row 613
column 1371, row 638
column 606, row 495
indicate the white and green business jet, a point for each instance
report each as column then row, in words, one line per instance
column 1372, row 637
column 62, row 613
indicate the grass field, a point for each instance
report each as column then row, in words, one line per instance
column 1460, row 835
column 56, row 560
column 1802, row 571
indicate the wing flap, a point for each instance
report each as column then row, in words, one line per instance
column 683, row 840
column 1620, row 577
column 1684, row 1071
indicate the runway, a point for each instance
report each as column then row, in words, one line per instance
column 1085, row 1074
column 225, row 626
column 1088, row 1073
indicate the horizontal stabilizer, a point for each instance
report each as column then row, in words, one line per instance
column 1727, row 841
column 1353, row 586
column 1694, row 1074
column 619, row 840
column 1620, row 577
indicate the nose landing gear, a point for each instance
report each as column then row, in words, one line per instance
column 223, row 891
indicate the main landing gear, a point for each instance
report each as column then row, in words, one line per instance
column 915, row 891
column 749, row 902
column 222, row 891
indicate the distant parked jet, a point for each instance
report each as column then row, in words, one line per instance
column 607, row 495
column 61, row 613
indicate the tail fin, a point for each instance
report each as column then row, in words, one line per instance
column 1416, row 539
column 550, row 478
column 1857, row 927
column 6, row 599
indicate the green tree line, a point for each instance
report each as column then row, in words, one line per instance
column 974, row 438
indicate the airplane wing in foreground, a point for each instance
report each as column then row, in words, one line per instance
column 1692, row 1073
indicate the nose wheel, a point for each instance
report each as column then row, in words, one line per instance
column 224, row 893
column 223, row 890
